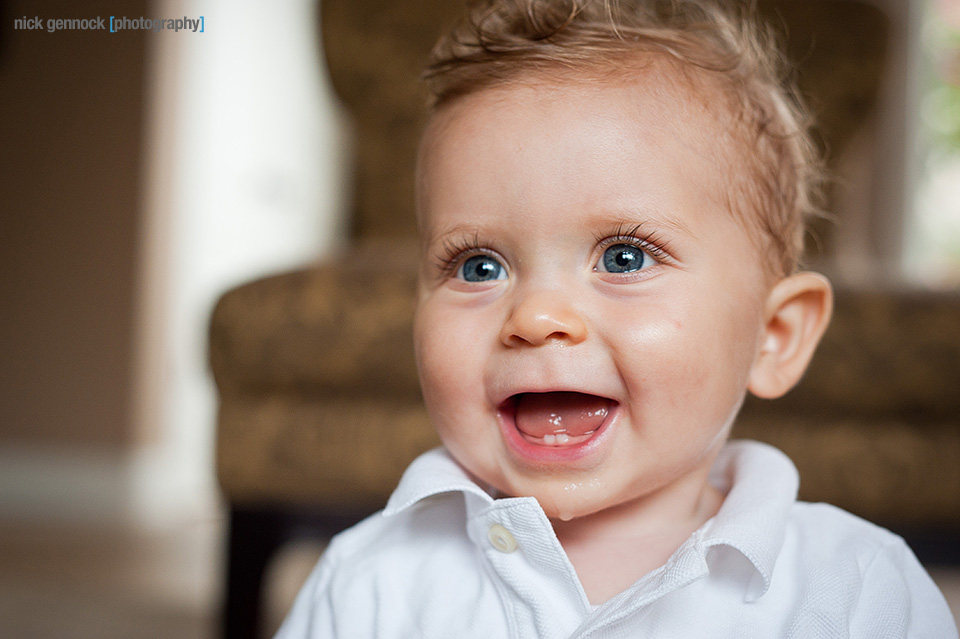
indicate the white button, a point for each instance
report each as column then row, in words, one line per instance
column 501, row 539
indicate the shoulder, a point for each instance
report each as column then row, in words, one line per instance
column 832, row 548
column 830, row 528
column 392, row 573
column 858, row 575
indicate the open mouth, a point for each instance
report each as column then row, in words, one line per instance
column 560, row 419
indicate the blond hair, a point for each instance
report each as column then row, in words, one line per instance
column 775, row 180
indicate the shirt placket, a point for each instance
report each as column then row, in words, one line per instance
column 539, row 588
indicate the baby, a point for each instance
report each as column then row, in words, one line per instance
column 611, row 200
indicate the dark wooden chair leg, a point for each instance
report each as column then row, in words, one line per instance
column 254, row 536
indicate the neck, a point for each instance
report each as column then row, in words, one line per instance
column 613, row 548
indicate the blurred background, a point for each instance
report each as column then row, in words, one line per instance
column 144, row 173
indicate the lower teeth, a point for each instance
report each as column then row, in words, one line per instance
column 561, row 438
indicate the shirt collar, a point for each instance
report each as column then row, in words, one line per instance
column 759, row 481
column 433, row 473
column 760, row 484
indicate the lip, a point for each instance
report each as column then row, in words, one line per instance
column 530, row 453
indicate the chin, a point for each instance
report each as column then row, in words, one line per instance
column 567, row 500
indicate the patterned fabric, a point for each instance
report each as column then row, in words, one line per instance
column 319, row 401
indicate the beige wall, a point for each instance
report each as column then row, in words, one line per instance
column 70, row 154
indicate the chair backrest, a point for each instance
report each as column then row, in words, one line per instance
column 376, row 49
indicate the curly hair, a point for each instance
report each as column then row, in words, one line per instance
column 776, row 174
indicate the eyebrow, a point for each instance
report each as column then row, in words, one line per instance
column 613, row 221
column 456, row 231
column 641, row 219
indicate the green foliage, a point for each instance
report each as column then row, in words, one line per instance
column 942, row 102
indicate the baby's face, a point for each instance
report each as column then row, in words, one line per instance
column 589, row 311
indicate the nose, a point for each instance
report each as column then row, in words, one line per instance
column 543, row 317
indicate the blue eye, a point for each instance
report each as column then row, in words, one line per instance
column 481, row 268
column 623, row 258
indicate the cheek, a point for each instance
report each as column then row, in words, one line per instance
column 433, row 343
column 685, row 356
column 449, row 356
column 450, row 360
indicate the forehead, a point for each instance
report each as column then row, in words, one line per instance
column 548, row 143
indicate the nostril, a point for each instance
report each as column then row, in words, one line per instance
column 514, row 340
column 541, row 319
column 541, row 334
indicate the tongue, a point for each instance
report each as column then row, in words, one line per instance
column 540, row 414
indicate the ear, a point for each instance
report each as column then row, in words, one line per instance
column 797, row 312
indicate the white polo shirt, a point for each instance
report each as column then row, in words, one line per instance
column 445, row 559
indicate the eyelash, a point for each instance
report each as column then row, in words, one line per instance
column 453, row 252
column 648, row 241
